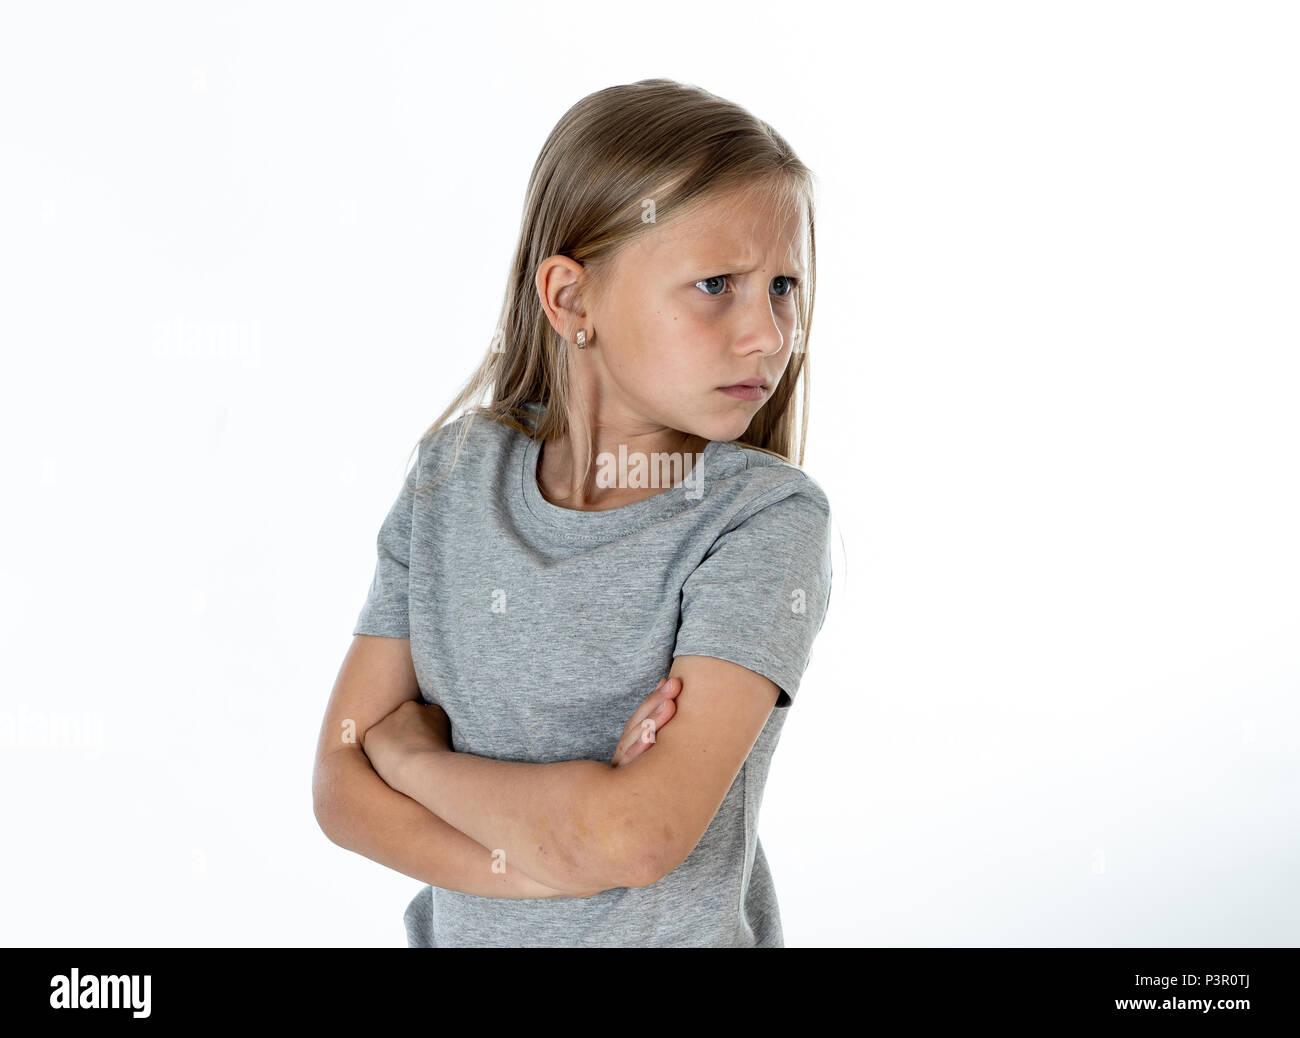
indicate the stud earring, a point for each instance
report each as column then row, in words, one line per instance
column 582, row 339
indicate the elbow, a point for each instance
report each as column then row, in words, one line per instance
column 623, row 839
column 330, row 796
column 324, row 818
column 637, row 867
column 603, row 858
column 325, row 808
column 629, row 869
column 332, row 824
column 609, row 847
column 320, row 798
column 650, row 873
column 645, row 851
column 660, row 854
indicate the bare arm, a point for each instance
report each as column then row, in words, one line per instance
column 357, row 810
column 365, row 815
column 568, row 823
column 576, row 824
column 583, row 823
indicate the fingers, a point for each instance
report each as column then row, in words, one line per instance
column 660, row 699
column 664, row 692
column 637, row 739
column 644, row 738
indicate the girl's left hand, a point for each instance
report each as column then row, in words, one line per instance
column 655, row 711
column 414, row 727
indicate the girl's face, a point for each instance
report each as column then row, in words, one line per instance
column 702, row 302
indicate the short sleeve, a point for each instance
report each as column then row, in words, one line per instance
column 760, row 595
column 386, row 610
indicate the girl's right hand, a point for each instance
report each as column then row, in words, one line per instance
column 638, row 735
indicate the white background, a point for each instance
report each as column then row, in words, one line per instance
column 250, row 251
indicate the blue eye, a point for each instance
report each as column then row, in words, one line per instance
column 791, row 282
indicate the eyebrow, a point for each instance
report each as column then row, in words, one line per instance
column 737, row 268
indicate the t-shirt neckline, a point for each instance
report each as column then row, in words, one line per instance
column 607, row 521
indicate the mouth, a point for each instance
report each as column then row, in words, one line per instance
column 754, row 390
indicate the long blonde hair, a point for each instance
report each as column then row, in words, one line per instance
column 658, row 139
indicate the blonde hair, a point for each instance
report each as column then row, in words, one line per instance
column 655, row 139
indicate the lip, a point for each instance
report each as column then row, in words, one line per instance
column 745, row 391
column 747, row 382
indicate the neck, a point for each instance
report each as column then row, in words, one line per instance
column 652, row 453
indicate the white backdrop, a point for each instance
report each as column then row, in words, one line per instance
column 249, row 252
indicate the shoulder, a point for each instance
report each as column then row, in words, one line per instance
column 467, row 444
column 753, row 480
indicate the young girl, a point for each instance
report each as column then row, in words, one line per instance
column 622, row 507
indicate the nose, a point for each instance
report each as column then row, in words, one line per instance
column 759, row 328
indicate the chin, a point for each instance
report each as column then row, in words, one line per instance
column 725, row 423
column 729, row 428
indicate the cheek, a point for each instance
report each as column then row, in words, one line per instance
column 690, row 327
column 657, row 322
column 673, row 336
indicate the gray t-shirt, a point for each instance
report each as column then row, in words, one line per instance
column 540, row 629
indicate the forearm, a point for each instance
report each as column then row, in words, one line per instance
column 561, row 823
column 365, row 815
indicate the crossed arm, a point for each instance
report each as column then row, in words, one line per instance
column 357, row 810
column 579, row 826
